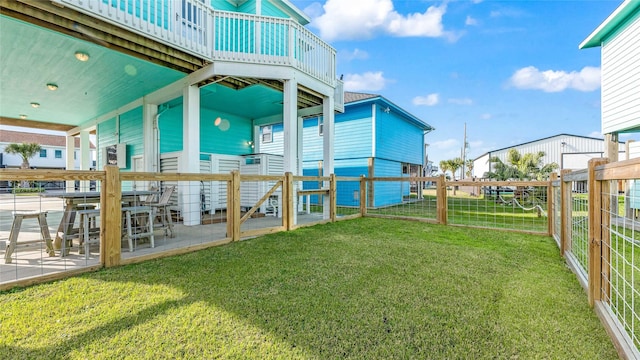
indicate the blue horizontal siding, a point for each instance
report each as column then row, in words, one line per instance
column 231, row 140
column 397, row 139
column 276, row 146
column 388, row 192
column 106, row 136
column 223, row 5
column 129, row 133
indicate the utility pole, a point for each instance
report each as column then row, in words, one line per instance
column 464, row 151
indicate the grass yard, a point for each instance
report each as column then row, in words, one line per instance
column 481, row 211
column 360, row 289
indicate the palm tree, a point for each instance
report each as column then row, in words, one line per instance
column 469, row 168
column 26, row 151
column 445, row 165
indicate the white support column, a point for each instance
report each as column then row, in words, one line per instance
column 85, row 157
column 290, row 117
column 290, row 124
column 256, row 139
column 328, row 142
column 70, row 163
column 298, row 185
column 190, row 160
column 149, row 126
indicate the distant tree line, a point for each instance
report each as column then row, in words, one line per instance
column 518, row 166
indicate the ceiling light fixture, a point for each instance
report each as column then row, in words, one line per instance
column 52, row 86
column 35, row 105
column 23, row 116
column 82, row 56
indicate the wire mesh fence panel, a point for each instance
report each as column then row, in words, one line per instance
column 521, row 208
column 347, row 197
column 621, row 255
column 42, row 227
column 169, row 212
column 579, row 209
column 310, row 200
column 261, row 203
column 401, row 197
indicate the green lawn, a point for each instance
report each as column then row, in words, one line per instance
column 360, row 289
column 463, row 209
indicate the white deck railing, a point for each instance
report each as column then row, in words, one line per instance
column 198, row 29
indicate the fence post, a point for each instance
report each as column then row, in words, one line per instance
column 550, row 209
column 110, row 217
column 566, row 207
column 363, row 196
column 332, row 197
column 441, row 200
column 595, row 232
column 230, row 207
column 235, row 205
column 287, row 193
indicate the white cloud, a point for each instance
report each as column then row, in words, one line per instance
column 587, row 79
column 372, row 81
column 356, row 54
column 486, row 116
column 470, row 21
column 461, row 101
column 429, row 100
column 445, row 144
column 363, row 19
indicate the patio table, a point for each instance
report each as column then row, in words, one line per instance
column 73, row 200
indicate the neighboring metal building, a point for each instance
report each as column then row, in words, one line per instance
column 568, row 151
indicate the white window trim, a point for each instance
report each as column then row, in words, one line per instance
column 266, row 132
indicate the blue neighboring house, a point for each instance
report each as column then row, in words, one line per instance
column 164, row 77
column 373, row 137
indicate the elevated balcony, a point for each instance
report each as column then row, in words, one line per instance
column 196, row 28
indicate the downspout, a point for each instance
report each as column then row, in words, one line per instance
column 156, row 142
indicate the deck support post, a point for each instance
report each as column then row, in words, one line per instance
column 110, row 217
column 291, row 128
column 328, row 119
column 190, row 161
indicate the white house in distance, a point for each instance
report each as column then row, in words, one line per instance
column 53, row 154
column 619, row 38
column 568, row 151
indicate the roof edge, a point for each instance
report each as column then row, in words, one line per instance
column 610, row 24
column 544, row 138
column 302, row 17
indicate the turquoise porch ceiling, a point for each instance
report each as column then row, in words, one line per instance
column 31, row 57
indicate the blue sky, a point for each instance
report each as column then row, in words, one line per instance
column 510, row 70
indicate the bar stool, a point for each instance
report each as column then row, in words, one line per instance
column 70, row 231
column 144, row 215
column 89, row 232
column 18, row 216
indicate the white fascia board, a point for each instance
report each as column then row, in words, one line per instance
column 314, row 84
column 261, row 71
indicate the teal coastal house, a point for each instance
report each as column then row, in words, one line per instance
column 184, row 79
